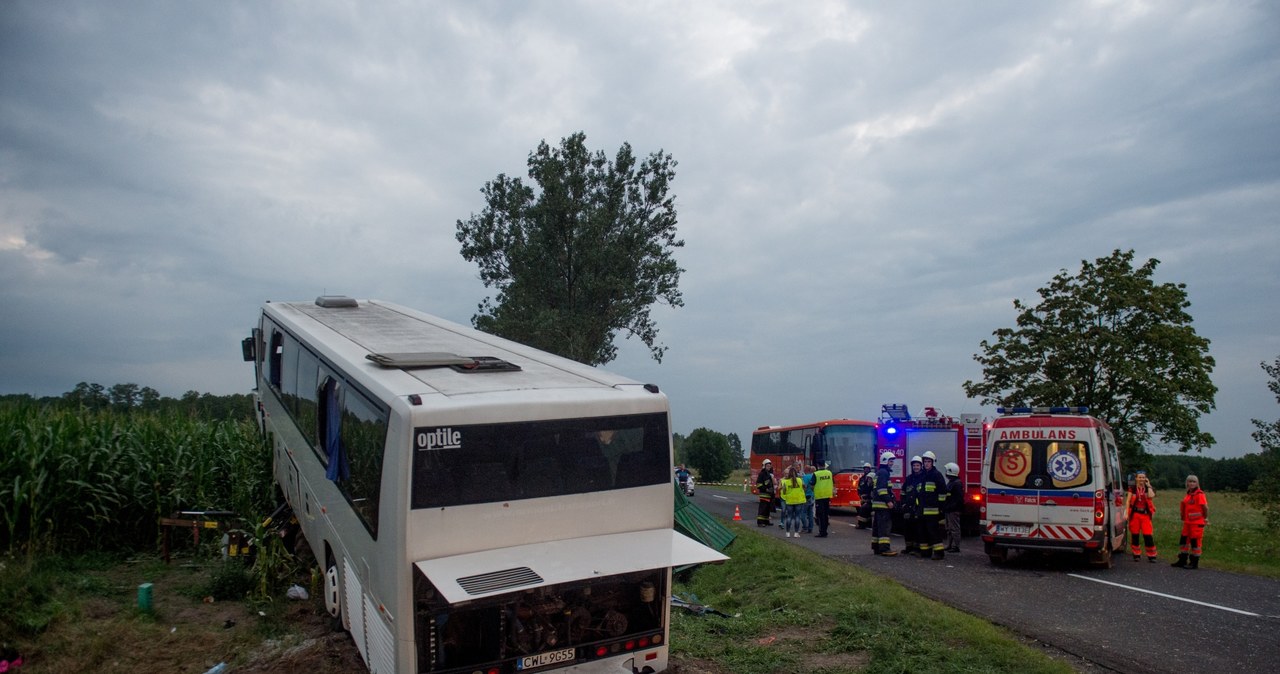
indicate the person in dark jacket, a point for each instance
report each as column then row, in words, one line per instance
column 909, row 509
column 932, row 489
column 882, row 508
column 953, row 507
column 866, row 486
column 764, row 490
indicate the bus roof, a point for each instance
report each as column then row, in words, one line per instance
column 351, row 334
column 818, row 424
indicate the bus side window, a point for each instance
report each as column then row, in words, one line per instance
column 276, row 359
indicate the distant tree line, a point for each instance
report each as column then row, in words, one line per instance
column 1170, row 471
column 126, row 398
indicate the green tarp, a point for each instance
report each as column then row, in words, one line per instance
column 700, row 525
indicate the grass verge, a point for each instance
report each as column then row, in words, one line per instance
column 797, row 611
column 1237, row 538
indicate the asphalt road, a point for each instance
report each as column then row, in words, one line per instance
column 1136, row 617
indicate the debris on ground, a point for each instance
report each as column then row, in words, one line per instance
column 692, row 605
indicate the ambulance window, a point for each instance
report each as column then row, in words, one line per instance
column 1011, row 463
column 1067, row 463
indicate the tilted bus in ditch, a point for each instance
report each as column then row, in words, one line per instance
column 476, row 505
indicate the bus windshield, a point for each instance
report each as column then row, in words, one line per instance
column 848, row 447
column 493, row 463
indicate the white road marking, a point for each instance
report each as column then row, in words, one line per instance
column 723, row 498
column 1167, row 596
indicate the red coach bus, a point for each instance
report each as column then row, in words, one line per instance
column 844, row 443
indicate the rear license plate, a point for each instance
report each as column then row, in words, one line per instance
column 544, row 659
column 1013, row 529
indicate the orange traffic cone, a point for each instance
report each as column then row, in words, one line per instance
column 737, row 514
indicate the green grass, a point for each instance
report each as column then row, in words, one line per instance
column 803, row 612
column 1236, row 539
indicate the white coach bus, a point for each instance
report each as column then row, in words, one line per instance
column 477, row 505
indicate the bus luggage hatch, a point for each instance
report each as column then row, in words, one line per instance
column 475, row 575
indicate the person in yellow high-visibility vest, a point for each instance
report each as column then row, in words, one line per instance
column 793, row 500
column 823, row 490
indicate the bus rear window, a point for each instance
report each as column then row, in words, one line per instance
column 492, row 463
column 1040, row 464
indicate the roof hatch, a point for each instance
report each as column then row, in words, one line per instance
column 427, row 359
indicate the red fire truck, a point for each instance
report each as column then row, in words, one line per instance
column 960, row 441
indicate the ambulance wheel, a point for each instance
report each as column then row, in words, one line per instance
column 1104, row 559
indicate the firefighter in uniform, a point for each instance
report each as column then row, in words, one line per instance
column 910, row 509
column 931, row 491
column 823, row 490
column 953, row 507
column 1195, row 517
column 764, row 490
column 866, row 486
column 1141, row 508
column 882, row 508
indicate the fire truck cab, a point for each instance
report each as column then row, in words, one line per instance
column 1051, row 481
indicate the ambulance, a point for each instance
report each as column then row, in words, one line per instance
column 1051, row 481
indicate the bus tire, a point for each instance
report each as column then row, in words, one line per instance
column 333, row 591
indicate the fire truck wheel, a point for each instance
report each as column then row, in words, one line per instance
column 997, row 555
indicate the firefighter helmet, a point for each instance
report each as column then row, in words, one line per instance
column 866, row 465
column 767, row 462
column 931, row 456
column 886, row 457
column 916, row 459
column 953, row 470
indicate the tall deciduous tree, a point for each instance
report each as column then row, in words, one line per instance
column 581, row 258
column 1110, row 338
column 1265, row 490
column 709, row 454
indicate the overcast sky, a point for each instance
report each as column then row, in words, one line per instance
column 863, row 189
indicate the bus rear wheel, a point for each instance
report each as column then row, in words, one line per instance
column 332, row 590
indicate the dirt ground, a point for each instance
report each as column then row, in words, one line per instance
column 186, row 632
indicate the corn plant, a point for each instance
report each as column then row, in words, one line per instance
column 80, row 479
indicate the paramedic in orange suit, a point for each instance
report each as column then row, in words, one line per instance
column 1141, row 507
column 1195, row 517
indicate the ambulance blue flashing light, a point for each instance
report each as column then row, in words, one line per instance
column 891, row 430
column 1043, row 410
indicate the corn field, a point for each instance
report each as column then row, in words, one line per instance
column 79, row 479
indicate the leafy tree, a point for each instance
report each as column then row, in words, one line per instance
column 677, row 449
column 89, row 396
column 1112, row 339
column 124, row 396
column 582, row 258
column 735, row 444
column 1264, row 493
column 709, row 454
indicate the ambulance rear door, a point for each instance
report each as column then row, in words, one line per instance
column 1041, row 486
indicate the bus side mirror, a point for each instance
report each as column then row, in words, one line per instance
column 248, row 350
